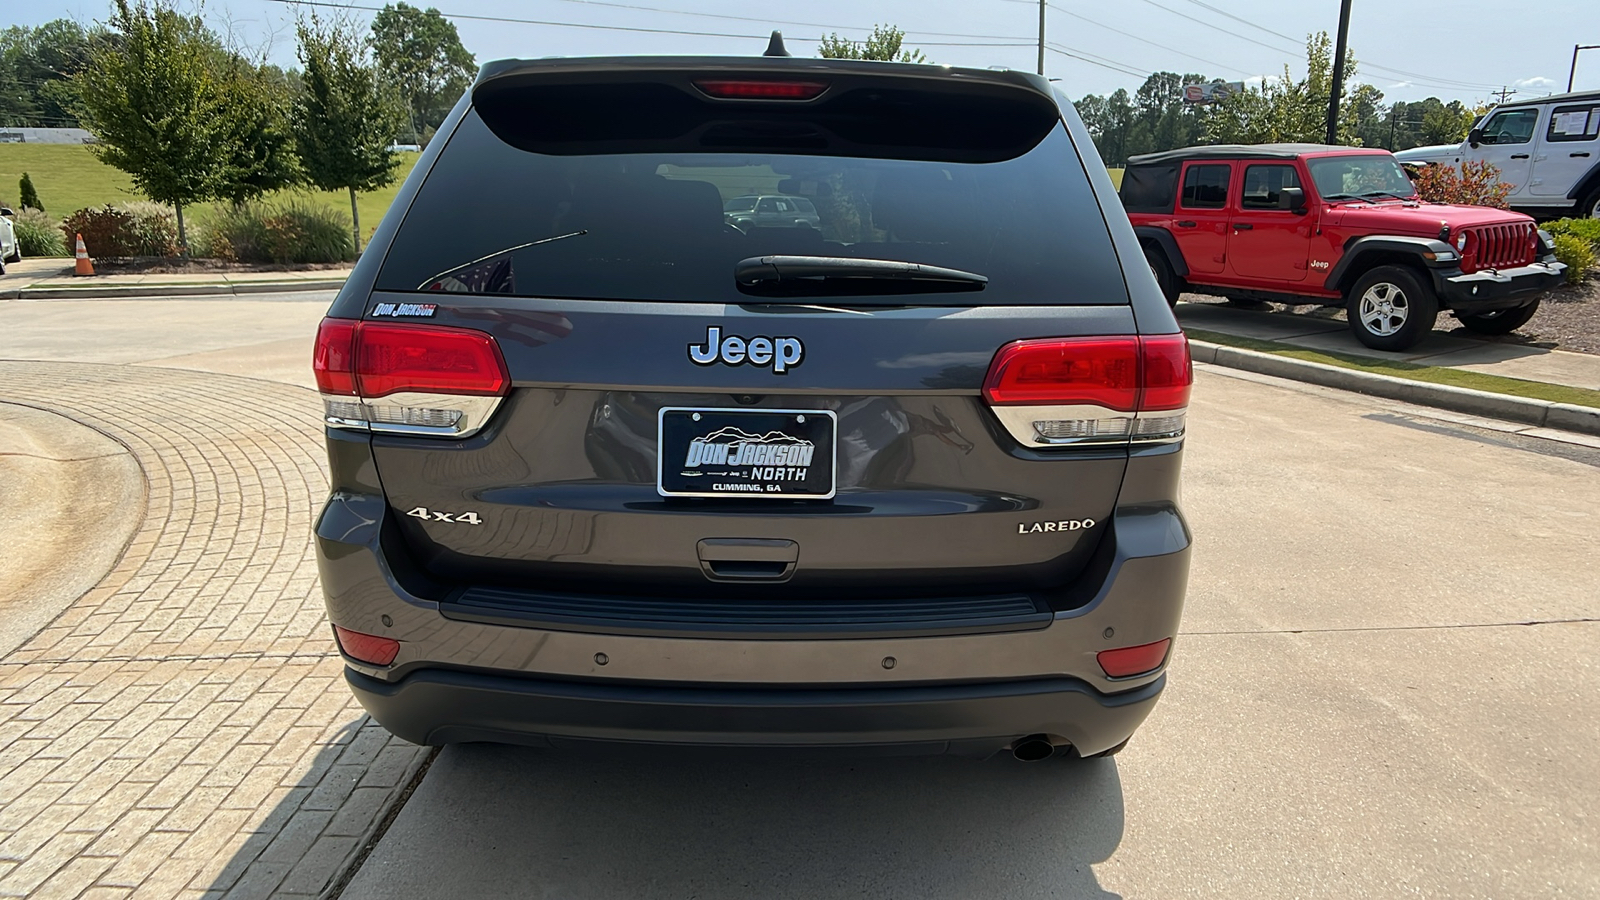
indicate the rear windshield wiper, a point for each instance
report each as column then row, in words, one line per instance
column 823, row 275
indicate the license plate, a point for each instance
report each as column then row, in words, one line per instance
column 787, row 453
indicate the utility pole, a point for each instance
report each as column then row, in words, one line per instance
column 1570, row 72
column 1503, row 94
column 1041, row 37
column 1337, row 87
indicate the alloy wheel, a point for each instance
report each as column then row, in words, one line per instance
column 1384, row 309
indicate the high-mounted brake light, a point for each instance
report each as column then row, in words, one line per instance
column 1092, row 390
column 744, row 89
column 425, row 380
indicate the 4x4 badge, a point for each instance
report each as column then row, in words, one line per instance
column 781, row 353
column 433, row 515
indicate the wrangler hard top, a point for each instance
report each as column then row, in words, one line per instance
column 610, row 463
column 1309, row 223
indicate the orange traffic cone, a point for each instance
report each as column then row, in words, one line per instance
column 84, row 266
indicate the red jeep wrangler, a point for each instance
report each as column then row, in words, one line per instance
column 1308, row 223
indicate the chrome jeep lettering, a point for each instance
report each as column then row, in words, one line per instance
column 781, row 353
column 1047, row 527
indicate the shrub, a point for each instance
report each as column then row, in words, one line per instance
column 288, row 233
column 1587, row 229
column 38, row 234
column 1476, row 184
column 29, row 197
column 1577, row 253
column 131, row 229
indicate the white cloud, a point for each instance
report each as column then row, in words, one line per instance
column 1536, row 84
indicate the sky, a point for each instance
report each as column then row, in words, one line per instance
column 1409, row 51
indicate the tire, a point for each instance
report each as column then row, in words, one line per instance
column 1391, row 308
column 1167, row 279
column 1590, row 208
column 1501, row 321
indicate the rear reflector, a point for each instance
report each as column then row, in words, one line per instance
column 427, row 359
column 729, row 89
column 1126, row 662
column 368, row 648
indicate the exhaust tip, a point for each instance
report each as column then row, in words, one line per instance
column 1033, row 748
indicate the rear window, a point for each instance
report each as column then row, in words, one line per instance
column 496, row 218
column 1149, row 188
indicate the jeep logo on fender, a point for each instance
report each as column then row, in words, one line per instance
column 781, row 353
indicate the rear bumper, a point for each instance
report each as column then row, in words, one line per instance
column 1490, row 290
column 435, row 706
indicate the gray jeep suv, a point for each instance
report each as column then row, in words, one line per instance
column 606, row 466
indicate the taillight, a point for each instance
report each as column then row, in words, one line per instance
column 1126, row 662
column 746, row 89
column 393, row 358
column 333, row 361
column 1092, row 390
column 368, row 648
column 424, row 380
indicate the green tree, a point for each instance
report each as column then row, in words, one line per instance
column 27, row 196
column 884, row 44
column 345, row 118
column 35, row 64
column 260, row 144
column 420, row 53
column 1285, row 109
column 151, row 96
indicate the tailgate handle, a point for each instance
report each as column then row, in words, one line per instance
column 748, row 559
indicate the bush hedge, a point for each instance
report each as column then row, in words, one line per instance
column 1577, row 245
column 293, row 232
column 139, row 228
column 38, row 233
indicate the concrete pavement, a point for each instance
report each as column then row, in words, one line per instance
column 1316, row 332
column 53, row 279
column 1380, row 690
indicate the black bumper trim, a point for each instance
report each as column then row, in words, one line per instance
column 1490, row 290
column 440, row 706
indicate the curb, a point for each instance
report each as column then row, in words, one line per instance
column 112, row 292
column 1542, row 413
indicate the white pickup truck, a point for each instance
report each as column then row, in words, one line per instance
column 1547, row 149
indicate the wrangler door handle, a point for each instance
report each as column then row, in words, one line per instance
column 1584, row 153
column 1519, row 156
column 1242, row 226
column 1185, row 224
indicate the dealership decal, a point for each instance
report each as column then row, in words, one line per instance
column 747, row 462
column 397, row 310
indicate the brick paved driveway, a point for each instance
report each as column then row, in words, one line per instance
column 182, row 729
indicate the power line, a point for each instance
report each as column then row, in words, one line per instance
column 1067, row 12
column 1223, row 12
column 1091, row 59
column 1003, row 42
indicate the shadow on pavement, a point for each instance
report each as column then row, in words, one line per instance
column 503, row 821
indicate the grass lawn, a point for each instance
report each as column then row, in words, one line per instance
column 68, row 177
column 1478, row 381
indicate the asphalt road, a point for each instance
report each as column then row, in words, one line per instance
column 1384, row 687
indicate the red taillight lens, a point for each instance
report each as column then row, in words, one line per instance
column 427, row 358
column 368, row 648
column 1098, row 371
column 737, row 89
column 333, row 360
column 1168, row 372
column 1125, row 374
column 1126, row 662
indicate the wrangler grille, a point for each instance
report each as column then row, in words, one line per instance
column 1499, row 246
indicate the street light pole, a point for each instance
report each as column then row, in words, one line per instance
column 1041, row 36
column 1570, row 72
column 1337, row 87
